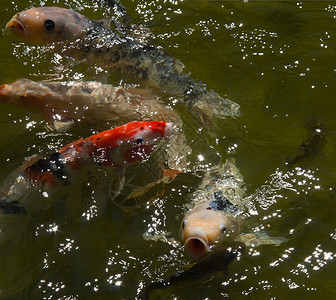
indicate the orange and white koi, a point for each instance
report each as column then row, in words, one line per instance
column 214, row 217
column 116, row 147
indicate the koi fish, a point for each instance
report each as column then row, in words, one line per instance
column 213, row 218
column 126, row 54
column 64, row 103
column 217, row 213
column 117, row 147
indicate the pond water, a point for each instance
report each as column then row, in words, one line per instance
column 277, row 60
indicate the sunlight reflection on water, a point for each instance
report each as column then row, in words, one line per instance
column 280, row 70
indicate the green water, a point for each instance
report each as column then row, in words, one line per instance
column 277, row 60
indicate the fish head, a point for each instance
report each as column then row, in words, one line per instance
column 42, row 25
column 204, row 226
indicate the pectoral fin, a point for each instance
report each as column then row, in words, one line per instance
column 261, row 238
column 59, row 120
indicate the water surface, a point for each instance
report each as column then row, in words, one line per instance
column 276, row 59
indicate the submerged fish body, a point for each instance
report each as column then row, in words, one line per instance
column 212, row 264
column 117, row 147
column 215, row 215
column 63, row 103
column 124, row 54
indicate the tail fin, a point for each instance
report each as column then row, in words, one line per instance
column 214, row 105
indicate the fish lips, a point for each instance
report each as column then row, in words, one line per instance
column 196, row 246
column 16, row 27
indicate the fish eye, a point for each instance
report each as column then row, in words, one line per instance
column 184, row 223
column 49, row 25
column 222, row 228
column 139, row 141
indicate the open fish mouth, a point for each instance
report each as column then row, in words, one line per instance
column 196, row 247
column 15, row 26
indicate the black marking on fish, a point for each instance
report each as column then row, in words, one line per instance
column 220, row 202
column 53, row 164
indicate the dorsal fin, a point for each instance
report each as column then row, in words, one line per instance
column 119, row 11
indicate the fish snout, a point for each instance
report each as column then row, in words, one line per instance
column 15, row 26
column 197, row 244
